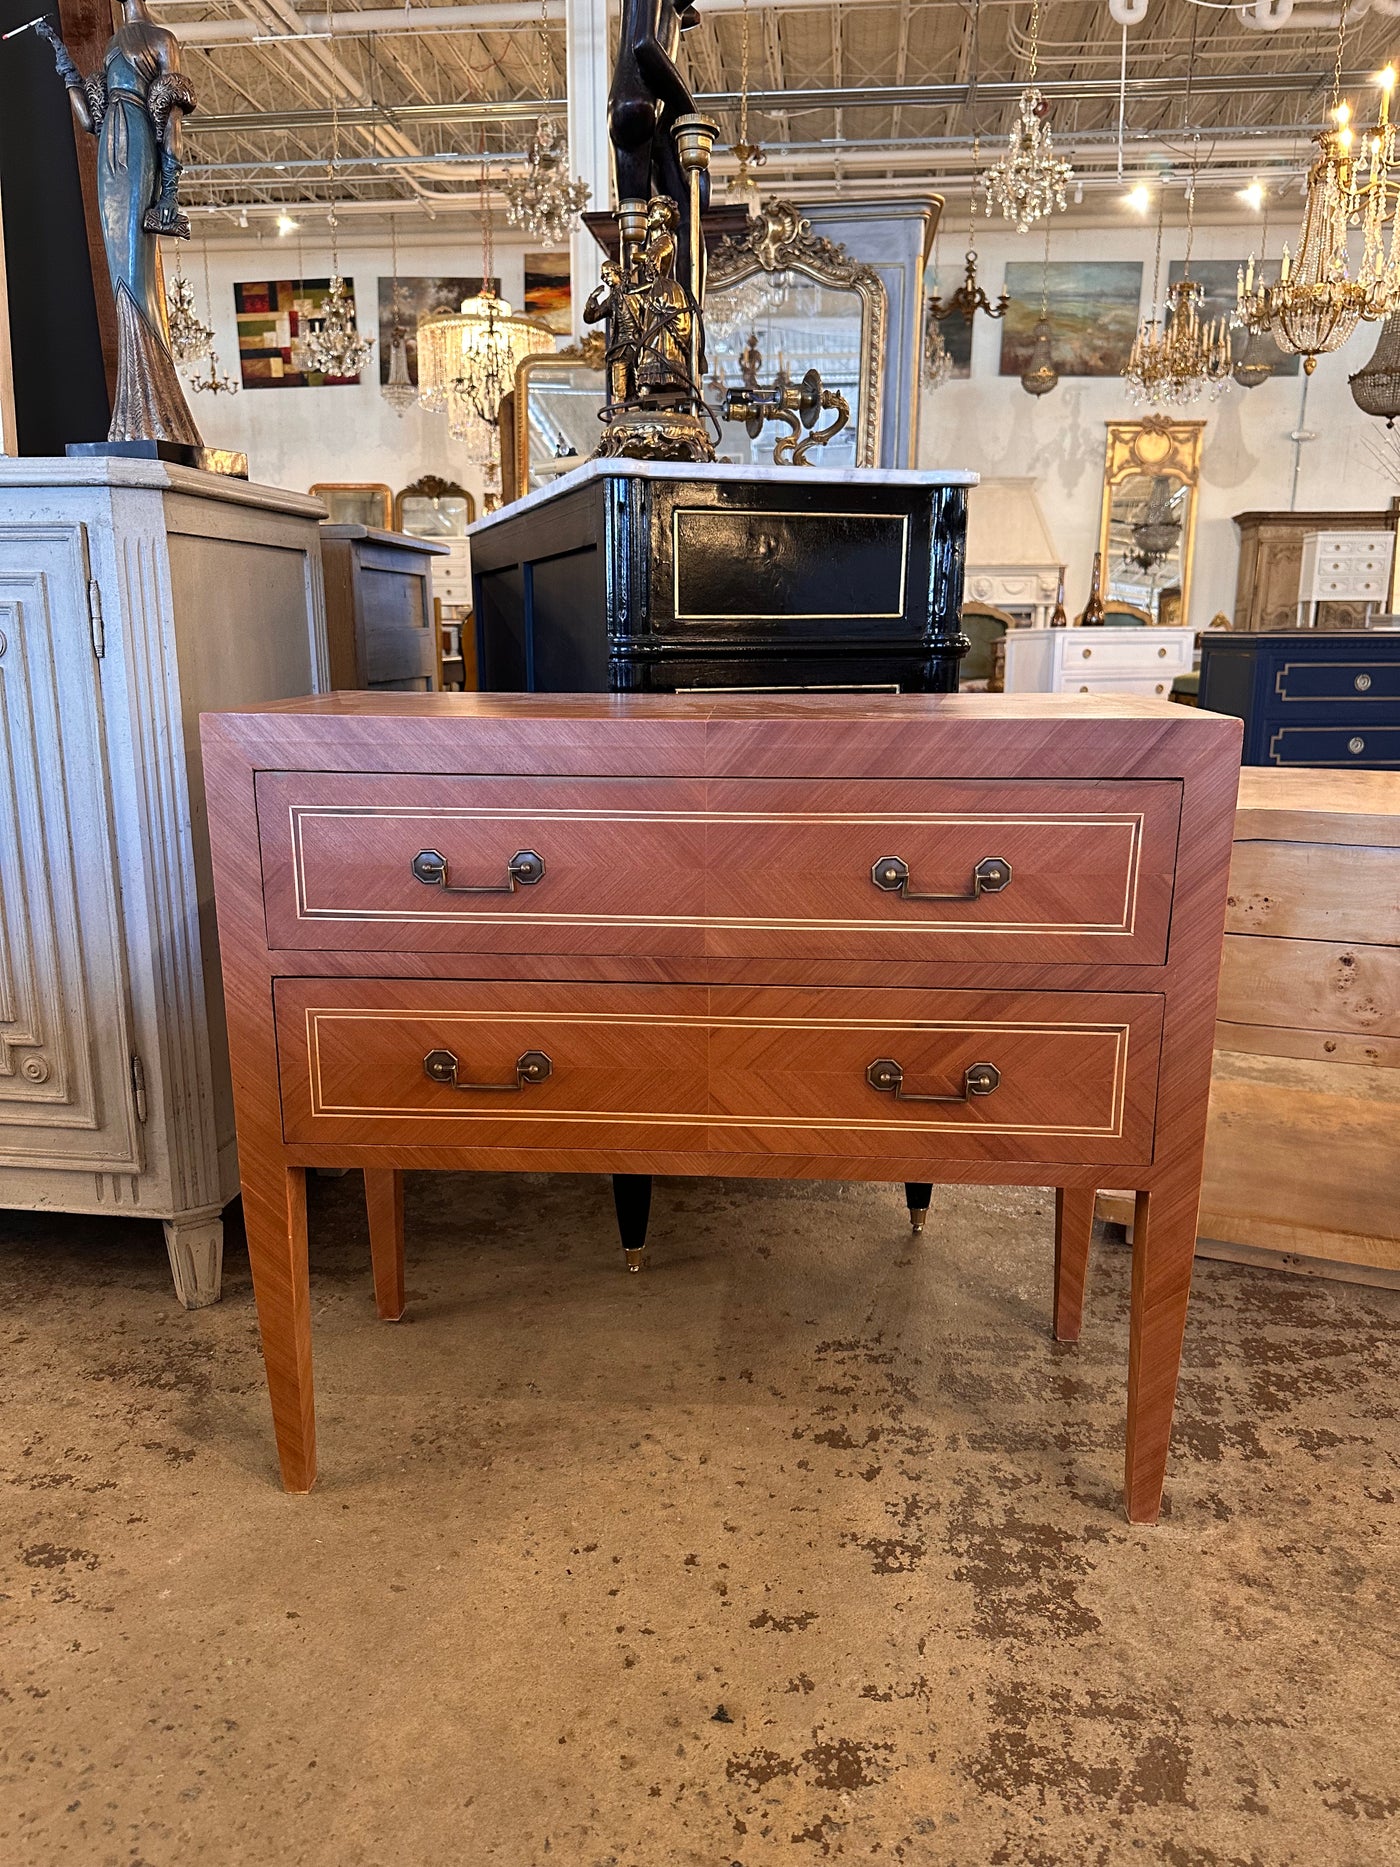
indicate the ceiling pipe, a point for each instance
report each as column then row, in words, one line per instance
column 489, row 16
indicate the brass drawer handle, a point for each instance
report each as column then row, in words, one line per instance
column 523, row 870
column 533, row 1066
column 979, row 1079
column 989, row 878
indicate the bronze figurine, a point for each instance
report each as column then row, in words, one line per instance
column 135, row 108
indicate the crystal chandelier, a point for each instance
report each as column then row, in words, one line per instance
column 1375, row 388
column 938, row 365
column 1029, row 180
column 1178, row 355
column 190, row 337
column 215, row 380
column 467, row 359
column 1040, row 376
column 333, row 345
column 398, row 391
column 743, row 183
column 1318, row 301
column 1157, row 528
column 544, row 200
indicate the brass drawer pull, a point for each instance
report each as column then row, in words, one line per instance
column 523, row 870
column 533, row 1066
column 979, row 1079
column 989, row 878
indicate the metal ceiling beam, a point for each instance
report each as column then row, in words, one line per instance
column 785, row 103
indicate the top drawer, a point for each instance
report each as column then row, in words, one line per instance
column 1130, row 651
column 900, row 870
column 1338, row 680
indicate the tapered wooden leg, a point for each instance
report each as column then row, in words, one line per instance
column 274, row 1218
column 632, row 1203
column 1074, row 1231
column 384, row 1198
column 917, row 1194
column 1164, row 1249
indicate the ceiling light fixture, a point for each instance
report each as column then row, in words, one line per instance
column 1029, row 180
column 285, row 224
column 1139, row 198
column 544, row 200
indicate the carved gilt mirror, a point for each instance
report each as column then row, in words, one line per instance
column 780, row 297
column 558, row 395
column 1147, row 522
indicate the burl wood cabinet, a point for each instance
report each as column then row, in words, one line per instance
column 916, row 938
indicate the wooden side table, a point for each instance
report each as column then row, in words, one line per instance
column 965, row 938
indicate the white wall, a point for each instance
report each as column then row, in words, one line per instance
column 295, row 437
column 989, row 423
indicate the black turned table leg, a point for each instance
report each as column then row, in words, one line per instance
column 632, row 1199
column 917, row 1195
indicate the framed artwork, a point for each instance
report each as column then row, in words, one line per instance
column 417, row 298
column 356, row 502
column 548, row 290
column 271, row 313
column 1220, row 277
column 1093, row 307
column 957, row 332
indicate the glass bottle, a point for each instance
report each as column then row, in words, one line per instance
column 1058, row 618
column 1092, row 616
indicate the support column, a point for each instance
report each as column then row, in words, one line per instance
column 588, row 67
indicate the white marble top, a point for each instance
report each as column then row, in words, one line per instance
column 122, row 473
column 724, row 471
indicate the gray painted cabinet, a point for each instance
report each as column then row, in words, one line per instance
column 133, row 595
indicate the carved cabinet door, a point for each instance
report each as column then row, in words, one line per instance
column 67, row 1098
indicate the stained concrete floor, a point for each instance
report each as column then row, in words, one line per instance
column 804, row 1546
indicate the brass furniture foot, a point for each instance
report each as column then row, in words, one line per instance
column 632, row 1203
column 917, row 1195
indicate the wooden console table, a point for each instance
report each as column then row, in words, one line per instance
column 964, row 938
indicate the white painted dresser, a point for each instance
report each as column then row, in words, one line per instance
column 133, row 595
column 1138, row 660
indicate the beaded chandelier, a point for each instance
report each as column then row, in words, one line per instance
column 743, row 183
column 398, row 391
column 938, row 365
column 1375, row 388
column 1040, row 376
column 545, row 200
column 190, row 337
column 1029, row 180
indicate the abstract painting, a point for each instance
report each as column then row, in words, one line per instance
column 271, row 314
column 417, row 298
column 548, row 293
column 1220, row 277
column 1092, row 305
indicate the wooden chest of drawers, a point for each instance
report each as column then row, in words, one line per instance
column 964, row 938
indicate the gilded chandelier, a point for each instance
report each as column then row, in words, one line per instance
column 1029, row 180
column 1318, row 300
column 1178, row 355
column 190, row 337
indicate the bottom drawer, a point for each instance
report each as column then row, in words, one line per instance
column 822, row 1072
column 1369, row 748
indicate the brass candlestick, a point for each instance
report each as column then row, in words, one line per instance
column 695, row 137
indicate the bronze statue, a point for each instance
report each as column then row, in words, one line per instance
column 646, row 98
column 135, row 107
column 612, row 301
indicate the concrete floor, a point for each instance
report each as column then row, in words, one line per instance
column 804, row 1546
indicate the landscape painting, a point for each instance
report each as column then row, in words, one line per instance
column 415, row 299
column 271, row 313
column 548, row 294
column 1092, row 305
column 1220, row 277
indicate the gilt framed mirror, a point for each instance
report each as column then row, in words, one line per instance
column 781, row 298
column 558, row 396
column 1147, row 519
